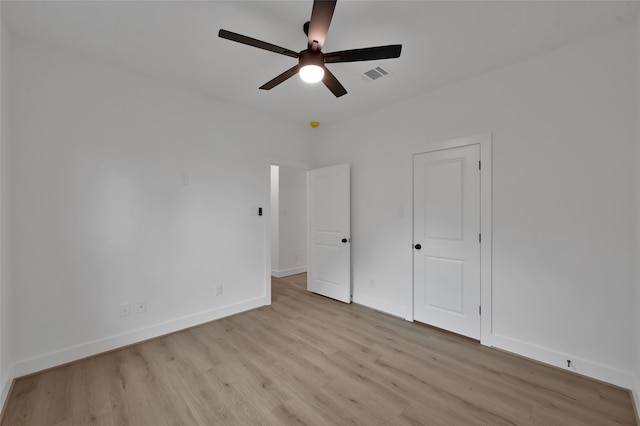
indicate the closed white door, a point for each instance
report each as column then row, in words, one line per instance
column 446, row 239
column 329, row 263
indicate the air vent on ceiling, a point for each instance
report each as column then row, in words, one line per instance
column 375, row 73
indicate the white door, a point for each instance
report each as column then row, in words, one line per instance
column 329, row 263
column 446, row 239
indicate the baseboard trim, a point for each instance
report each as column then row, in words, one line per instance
column 579, row 365
column 74, row 353
column 7, row 386
column 383, row 306
column 635, row 397
column 286, row 272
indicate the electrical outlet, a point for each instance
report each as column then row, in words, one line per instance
column 219, row 290
column 141, row 306
column 125, row 309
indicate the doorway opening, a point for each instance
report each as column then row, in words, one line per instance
column 288, row 221
column 287, row 227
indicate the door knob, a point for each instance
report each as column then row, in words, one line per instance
column 418, row 246
column 344, row 240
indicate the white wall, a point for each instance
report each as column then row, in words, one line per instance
column 275, row 219
column 5, row 276
column 636, row 389
column 127, row 188
column 563, row 129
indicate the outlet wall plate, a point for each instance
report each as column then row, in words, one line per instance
column 125, row 310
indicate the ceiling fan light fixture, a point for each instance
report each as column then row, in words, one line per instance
column 311, row 73
column 311, row 65
column 311, row 61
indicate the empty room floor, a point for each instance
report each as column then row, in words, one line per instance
column 310, row 360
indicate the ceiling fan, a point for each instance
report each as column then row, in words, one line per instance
column 311, row 61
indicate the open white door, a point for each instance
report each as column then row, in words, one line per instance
column 329, row 263
column 447, row 239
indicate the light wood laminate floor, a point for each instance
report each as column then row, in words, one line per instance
column 310, row 360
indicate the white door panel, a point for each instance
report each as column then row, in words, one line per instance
column 445, row 288
column 443, row 189
column 446, row 239
column 329, row 269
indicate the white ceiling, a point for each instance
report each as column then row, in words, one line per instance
column 443, row 42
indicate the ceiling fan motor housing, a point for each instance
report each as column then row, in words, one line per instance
column 309, row 57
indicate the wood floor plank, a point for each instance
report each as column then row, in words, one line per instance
column 309, row 360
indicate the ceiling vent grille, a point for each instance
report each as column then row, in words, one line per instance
column 376, row 73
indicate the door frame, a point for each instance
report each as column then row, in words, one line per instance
column 272, row 161
column 485, row 142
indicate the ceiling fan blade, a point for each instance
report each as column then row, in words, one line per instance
column 256, row 43
column 321, row 15
column 279, row 79
column 333, row 84
column 365, row 54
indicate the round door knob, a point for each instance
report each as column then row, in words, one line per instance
column 418, row 246
column 344, row 240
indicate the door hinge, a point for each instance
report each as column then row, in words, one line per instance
column 479, row 165
column 479, row 238
column 480, row 310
